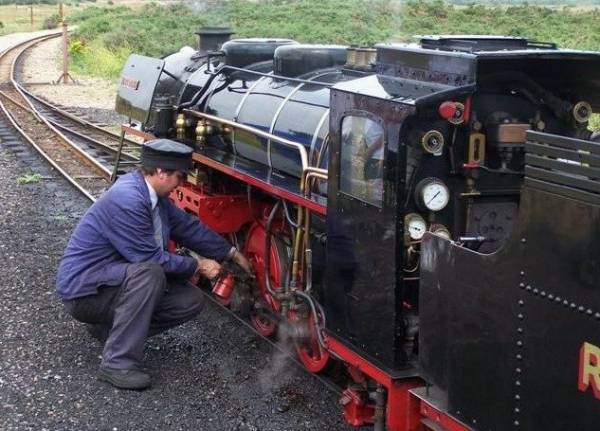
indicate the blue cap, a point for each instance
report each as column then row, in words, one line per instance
column 166, row 154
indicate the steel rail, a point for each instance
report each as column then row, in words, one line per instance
column 69, row 146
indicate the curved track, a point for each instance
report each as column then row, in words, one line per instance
column 80, row 151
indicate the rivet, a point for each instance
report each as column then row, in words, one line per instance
column 518, row 371
column 521, row 302
column 597, row 315
column 517, row 397
column 566, row 303
column 517, row 410
column 543, row 293
column 573, row 305
column 474, row 421
column 516, row 423
column 536, row 291
column 581, row 309
column 520, row 316
column 519, row 343
column 520, row 330
column 523, row 240
column 521, row 285
column 522, row 273
column 589, row 312
column 550, row 297
column 517, row 383
column 557, row 299
column 519, row 357
column 528, row 287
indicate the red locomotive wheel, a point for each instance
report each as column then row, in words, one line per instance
column 313, row 356
column 254, row 249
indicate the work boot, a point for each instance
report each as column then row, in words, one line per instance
column 125, row 379
column 97, row 331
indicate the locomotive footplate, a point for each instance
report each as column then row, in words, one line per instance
column 260, row 176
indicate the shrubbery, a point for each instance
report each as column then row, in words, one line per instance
column 52, row 21
column 157, row 30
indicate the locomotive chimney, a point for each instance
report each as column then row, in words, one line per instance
column 211, row 38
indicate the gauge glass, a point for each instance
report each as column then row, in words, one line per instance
column 435, row 195
column 416, row 226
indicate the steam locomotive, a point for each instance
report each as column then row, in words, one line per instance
column 423, row 214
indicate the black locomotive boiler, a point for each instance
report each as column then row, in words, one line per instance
column 424, row 214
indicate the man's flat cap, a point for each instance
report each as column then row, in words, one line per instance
column 166, row 154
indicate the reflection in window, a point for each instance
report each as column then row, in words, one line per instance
column 361, row 164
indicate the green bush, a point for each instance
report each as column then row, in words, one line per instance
column 51, row 22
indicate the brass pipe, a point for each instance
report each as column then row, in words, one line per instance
column 299, row 147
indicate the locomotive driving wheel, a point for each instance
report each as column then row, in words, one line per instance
column 265, row 303
column 313, row 356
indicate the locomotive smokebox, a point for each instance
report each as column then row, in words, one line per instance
column 211, row 38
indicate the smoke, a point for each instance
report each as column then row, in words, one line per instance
column 200, row 6
column 280, row 370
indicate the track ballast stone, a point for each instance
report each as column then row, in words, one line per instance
column 210, row 374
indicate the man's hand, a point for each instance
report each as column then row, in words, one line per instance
column 207, row 268
column 241, row 260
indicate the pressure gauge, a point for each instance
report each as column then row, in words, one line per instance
column 432, row 194
column 440, row 230
column 415, row 225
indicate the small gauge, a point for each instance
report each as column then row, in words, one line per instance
column 433, row 142
column 415, row 225
column 440, row 230
column 432, row 194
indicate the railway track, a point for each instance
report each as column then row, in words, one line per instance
column 80, row 151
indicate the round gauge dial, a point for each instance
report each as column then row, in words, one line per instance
column 440, row 230
column 432, row 194
column 415, row 225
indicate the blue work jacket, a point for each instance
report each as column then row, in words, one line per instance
column 117, row 230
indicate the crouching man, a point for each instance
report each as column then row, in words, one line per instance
column 117, row 274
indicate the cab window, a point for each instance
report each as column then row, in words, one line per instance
column 361, row 159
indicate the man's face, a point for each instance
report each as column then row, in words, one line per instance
column 168, row 181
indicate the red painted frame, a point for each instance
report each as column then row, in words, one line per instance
column 405, row 410
column 292, row 197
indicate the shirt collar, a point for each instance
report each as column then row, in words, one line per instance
column 153, row 195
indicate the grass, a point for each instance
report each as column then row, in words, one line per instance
column 29, row 179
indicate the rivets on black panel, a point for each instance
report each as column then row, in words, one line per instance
column 521, row 302
column 521, row 285
column 523, row 240
column 581, row 309
column 517, row 383
column 573, row 305
column 543, row 293
column 522, row 273
column 528, row 288
column 520, row 316
column 520, row 330
column 589, row 312
column 518, row 371
column 536, row 291
column 566, row 303
column 550, row 297
column 519, row 357
column 516, row 423
column 519, row 343
column 597, row 316
column 557, row 299
column 517, row 397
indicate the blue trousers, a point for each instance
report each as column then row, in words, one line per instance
column 142, row 306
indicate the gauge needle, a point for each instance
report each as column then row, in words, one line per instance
column 434, row 196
